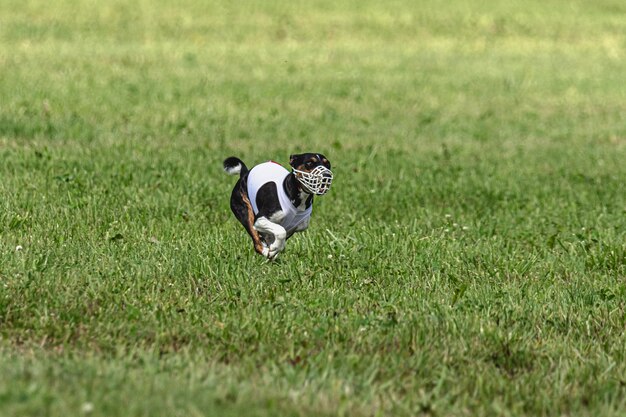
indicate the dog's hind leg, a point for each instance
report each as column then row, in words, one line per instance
column 241, row 207
column 254, row 234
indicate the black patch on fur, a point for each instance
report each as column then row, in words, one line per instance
column 267, row 201
column 293, row 190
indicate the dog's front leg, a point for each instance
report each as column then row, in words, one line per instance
column 264, row 226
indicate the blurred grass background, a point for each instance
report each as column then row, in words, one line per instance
column 470, row 259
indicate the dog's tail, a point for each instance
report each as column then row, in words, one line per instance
column 234, row 166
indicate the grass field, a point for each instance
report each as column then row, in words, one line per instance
column 470, row 259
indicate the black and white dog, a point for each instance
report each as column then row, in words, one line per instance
column 273, row 203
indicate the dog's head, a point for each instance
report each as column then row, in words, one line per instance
column 313, row 172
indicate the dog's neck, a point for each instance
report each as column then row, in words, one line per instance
column 296, row 193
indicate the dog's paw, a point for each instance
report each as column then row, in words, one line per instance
column 272, row 258
column 270, row 253
column 275, row 249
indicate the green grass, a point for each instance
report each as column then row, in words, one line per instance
column 469, row 260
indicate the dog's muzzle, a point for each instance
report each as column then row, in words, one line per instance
column 317, row 181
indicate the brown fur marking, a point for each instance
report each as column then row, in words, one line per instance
column 258, row 246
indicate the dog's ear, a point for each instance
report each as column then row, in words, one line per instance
column 324, row 160
column 292, row 160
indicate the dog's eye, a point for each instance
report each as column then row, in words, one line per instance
column 309, row 164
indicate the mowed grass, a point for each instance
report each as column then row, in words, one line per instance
column 469, row 260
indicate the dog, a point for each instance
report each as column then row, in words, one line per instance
column 272, row 203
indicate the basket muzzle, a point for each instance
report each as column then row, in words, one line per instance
column 317, row 181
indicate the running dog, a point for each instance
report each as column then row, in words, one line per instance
column 272, row 203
